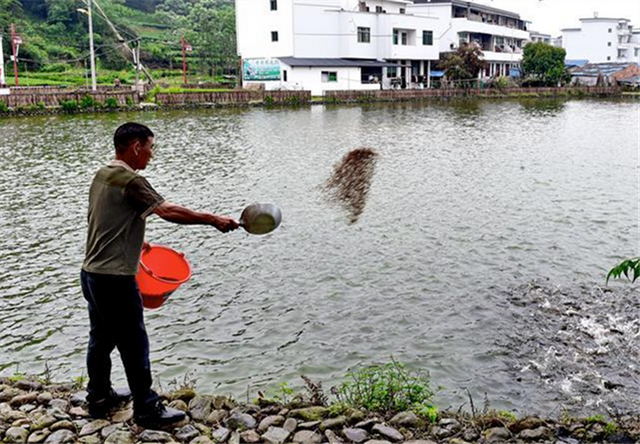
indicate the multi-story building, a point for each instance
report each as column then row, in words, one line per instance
column 500, row 34
column 537, row 37
column 334, row 44
column 602, row 39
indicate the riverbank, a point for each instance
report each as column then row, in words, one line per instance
column 44, row 101
column 37, row 411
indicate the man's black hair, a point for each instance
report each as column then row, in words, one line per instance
column 128, row 133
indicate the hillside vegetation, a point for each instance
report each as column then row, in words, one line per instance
column 55, row 47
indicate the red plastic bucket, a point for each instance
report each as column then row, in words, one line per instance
column 161, row 271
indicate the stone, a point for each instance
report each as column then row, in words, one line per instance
column 92, row 439
column 497, row 435
column 108, row 430
column 470, row 435
column 530, row 422
column 27, row 408
column 179, row 404
column 405, row 419
column 314, row 413
column 355, row 415
column 29, row 385
column 202, row 428
column 275, row 435
column 291, row 424
column 307, row 437
column 219, row 402
column 388, row 432
column 234, row 438
column 80, row 423
column 120, row 437
column 274, row 420
column 8, row 394
column 13, row 415
column 333, row 423
column 200, row 408
column 377, row 441
column 94, row 426
column 536, row 434
column 64, row 424
column 78, row 398
column 201, row 440
column 122, row 415
column 44, row 398
column 332, row 437
column 16, row 435
column 451, row 441
column 250, row 436
column 355, row 434
column 155, row 436
column 43, row 422
column 308, row 424
column 63, row 436
column 28, row 398
column 24, row 422
column 240, row 421
column 78, row 412
column 187, row 433
column 61, row 404
column 221, row 434
column 427, row 441
column 217, row 416
column 441, row 432
column 38, row 436
column 185, row 394
column 368, row 423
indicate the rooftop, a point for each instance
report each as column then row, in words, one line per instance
column 596, row 69
column 476, row 6
column 604, row 19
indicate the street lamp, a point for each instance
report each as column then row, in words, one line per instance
column 94, row 85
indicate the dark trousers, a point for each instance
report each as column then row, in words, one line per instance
column 115, row 313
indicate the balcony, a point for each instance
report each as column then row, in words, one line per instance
column 470, row 26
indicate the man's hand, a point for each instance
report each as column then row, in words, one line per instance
column 146, row 246
column 224, row 224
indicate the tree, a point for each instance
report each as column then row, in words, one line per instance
column 543, row 63
column 464, row 64
column 9, row 10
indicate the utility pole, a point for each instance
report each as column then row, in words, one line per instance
column 137, row 62
column 3, row 81
column 15, row 42
column 184, row 60
column 94, row 82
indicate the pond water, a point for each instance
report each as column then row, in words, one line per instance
column 479, row 254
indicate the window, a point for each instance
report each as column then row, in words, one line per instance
column 395, row 36
column 608, row 58
column 329, row 76
column 392, row 71
column 427, row 38
column 403, row 38
column 378, row 9
column 284, row 75
column 274, row 5
column 274, row 36
column 402, row 10
column 364, row 35
column 610, row 30
column 609, row 44
column 636, row 52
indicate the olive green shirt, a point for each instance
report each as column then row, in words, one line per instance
column 119, row 202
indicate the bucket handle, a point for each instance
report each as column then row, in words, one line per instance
column 164, row 279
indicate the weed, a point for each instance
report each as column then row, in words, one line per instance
column 129, row 101
column 69, row 105
column 596, row 419
column 79, row 382
column 17, row 376
column 111, row 103
column 386, row 388
column 610, row 429
column 268, row 100
column 88, row 102
column 315, row 391
column 284, row 395
column 189, row 382
column 3, row 107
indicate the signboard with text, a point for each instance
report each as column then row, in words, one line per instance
column 261, row 69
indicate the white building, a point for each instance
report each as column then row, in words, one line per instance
column 3, row 80
column 322, row 45
column 500, row 34
column 602, row 40
column 537, row 37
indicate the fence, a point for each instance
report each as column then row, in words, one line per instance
column 242, row 97
column 24, row 100
column 22, row 90
column 417, row 94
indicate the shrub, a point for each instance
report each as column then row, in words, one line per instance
column 129, row 101
column 3, row 107
column 69, row 105
column 388, row 388
column 88, row 102
column 111, row 103
column 41, row 105
column 55, row 67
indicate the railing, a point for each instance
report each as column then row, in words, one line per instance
column 241, row 97
column 49, row 99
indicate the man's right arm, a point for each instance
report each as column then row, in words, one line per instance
column 180, row 215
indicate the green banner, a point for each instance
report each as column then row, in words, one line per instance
column 261, row 69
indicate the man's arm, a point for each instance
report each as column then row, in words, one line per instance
column 181, row 215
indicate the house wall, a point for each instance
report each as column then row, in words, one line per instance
column 310, row 78
column 254, row 23
column 602, row 40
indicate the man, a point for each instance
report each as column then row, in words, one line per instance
column 119, row 202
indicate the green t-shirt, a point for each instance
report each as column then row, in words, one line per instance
column 119, row 202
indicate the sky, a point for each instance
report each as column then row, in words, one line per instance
column 550, row 16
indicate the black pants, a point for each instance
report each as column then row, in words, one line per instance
column 115, row 312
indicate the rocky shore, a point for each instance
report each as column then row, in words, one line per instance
column 35, row 412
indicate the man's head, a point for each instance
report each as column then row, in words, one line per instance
column 134, row 143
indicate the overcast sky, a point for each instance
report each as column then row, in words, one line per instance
column 549, row 16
